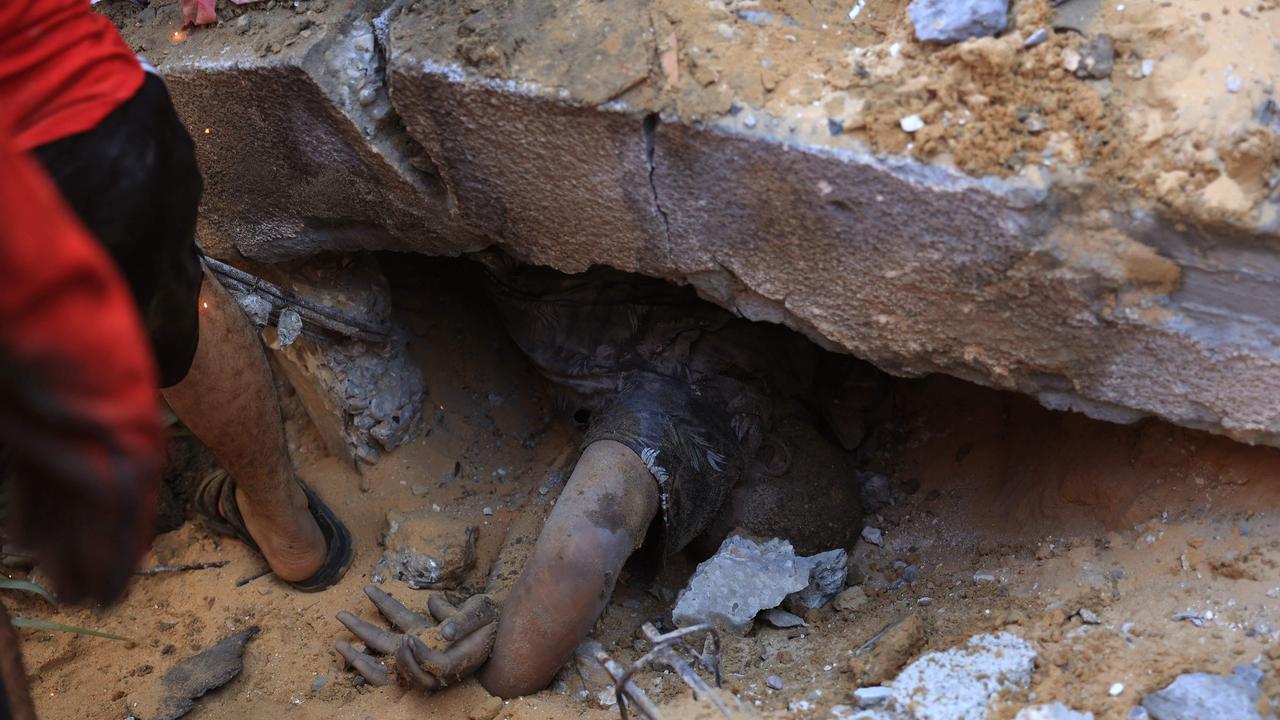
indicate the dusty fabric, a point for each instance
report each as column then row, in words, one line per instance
column 684, row 384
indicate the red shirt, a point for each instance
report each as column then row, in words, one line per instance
column 63, row 68
column 78, row 403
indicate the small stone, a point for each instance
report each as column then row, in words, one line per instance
column 910, row 573
column 288, row 327
column 834, row 126
column 780, row 618
column 924, row 601
column 1251, row 674
column 774, row 682
column 851, row 599
column 875, row 696
column 419, row 490
column 873, row 535
column 244, row 23
column 980, row 577
column 827, row 575
column 1089, row 617
column 1097, row 58
column 1115, row 689
column 1035, row 123
column 1036, row 38
column 1204, row 696
column 876, row 491
column 1234, row 84
column 1070, row 60
column 256, row 307
column 1148, row 66
column 1051, row 711
column 318, row 683
column 958, row 20
column 911, row 123
column 487, row 511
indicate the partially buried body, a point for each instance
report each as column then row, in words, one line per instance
column 683, row 403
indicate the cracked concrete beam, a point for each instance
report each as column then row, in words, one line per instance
column 298, row 149
column 557, row 185
column 1012, row 284
column 916, row 268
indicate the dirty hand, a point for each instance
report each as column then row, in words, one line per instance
column 427, row 655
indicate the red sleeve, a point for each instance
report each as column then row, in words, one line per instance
column 78, row 399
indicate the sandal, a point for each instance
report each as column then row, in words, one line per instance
column 215, row 500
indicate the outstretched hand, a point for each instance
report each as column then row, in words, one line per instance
column 427, row 655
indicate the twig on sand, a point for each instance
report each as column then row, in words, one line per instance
column 246, row 580
column 161, row 569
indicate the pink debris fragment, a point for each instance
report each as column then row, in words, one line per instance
column 199, row 12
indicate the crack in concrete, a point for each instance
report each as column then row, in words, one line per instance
column 650, row 130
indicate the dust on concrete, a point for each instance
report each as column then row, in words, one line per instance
column 1182, row 118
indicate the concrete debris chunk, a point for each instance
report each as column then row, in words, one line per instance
column 780, row 618
column 1052, row 711
column 959, row 683
column 1097, row 58
column 741, row 579
column 289, row 327
column 873, row 535
column 874, row 696
column 953, row 21
column 1204, row 696
column 425, row 550
column 827, row 574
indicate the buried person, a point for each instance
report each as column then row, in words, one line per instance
column 682, row 402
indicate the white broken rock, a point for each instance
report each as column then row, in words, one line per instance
column 745, row 577
column 1052, row 711
column 958, row 684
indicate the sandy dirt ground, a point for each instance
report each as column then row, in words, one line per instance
column 1015, row 518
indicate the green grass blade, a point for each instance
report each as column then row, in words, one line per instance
column 59, row 627
column 27, row 586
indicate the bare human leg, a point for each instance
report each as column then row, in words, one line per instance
column 228, row 400
column 601, row 517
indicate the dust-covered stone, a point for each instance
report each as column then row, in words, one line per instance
column 427, row 550
column 741, row 579
column 1204, row 696
column 958, row 20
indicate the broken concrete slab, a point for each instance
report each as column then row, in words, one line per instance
column 190, row 679
column 425, row 549
column 1013, row 283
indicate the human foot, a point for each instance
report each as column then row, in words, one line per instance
column 220, row 502
column 291, row 541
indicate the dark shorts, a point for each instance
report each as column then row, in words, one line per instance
column 134, row 183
